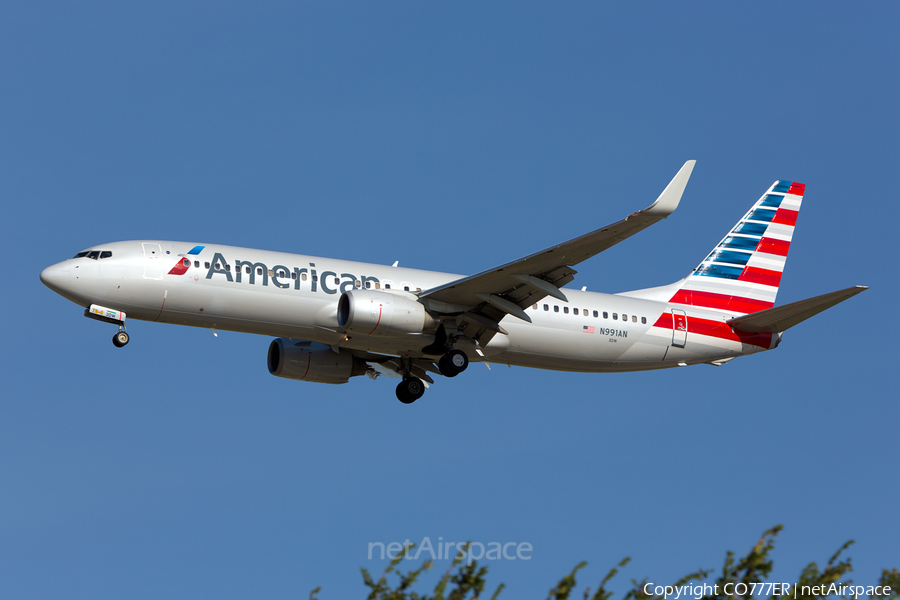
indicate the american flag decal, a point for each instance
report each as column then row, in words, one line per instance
column 588, row 329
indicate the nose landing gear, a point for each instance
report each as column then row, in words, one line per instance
column 108, row 315
column 121, row 337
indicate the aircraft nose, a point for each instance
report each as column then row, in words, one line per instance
column 56, row 277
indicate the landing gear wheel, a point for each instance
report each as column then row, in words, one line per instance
column 120, row 339
column 410, row 389
column 453, row 363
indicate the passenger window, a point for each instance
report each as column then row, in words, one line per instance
column 534, row 307
column 207, row 264
column 418, row 289
column 596, row 314
column 105, row 254
column 377, row 285
column 566, row 309
column 555, row 308
column 643, row 320
column 196, row 264
column 94, row 255
column 575, row 311
column 615, row 316
column 248, row 270
column 303, row 277
column 634, row 318
column 337, row 281
column 546, row 307
column 387, row 286
column 227, row 267
column 357, row 283
column 294, row 275
column 315, row 278
column 405, row 288
column 605, row 315
column 368, row 285
column 218, row 267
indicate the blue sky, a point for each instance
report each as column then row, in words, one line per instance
column 453, row 137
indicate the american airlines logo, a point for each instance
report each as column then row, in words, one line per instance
column 282, row 276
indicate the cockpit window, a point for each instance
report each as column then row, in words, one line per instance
column 95, row 254
column 106, row 254
column 82, row 254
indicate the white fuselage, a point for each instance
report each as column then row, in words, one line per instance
column 296, row 296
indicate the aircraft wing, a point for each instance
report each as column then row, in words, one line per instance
column 508, row 289
column 776, row 320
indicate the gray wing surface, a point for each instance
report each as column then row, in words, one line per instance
column 508, row 289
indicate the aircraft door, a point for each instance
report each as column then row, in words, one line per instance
column 152, row 261
column 679, row 328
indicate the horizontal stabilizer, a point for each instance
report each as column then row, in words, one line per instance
column 776, row 320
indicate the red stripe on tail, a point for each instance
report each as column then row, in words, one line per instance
column 785, row 216
column 719, row 301
column 773, row 246
column 763, row 276
column 797, row 188
column 717, row 329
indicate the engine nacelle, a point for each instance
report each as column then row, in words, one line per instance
column 311, row 361
column 371, row 312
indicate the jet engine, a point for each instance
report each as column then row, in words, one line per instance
column 371, row 312
column 311, row 361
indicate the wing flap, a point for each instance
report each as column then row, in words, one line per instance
column 776, row 320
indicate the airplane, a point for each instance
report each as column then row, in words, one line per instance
column 336, row 319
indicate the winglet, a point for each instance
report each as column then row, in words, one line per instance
column 668, row 201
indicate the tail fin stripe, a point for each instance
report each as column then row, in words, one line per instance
column 785, row 216
column 791, row 202
column 763, row 215
column 797, row 189
column 750, row 228
column 732, row 257
column 771, row 201
column 781, row 232
column 731, row 287
column 761, row 276
column 740, row 243
column 721, row 271
column 720, row 301
column 771, row 262
column 773, row 246
column 782, row 186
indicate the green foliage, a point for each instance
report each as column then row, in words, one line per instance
column 467, row 582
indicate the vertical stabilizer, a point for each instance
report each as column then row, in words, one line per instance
column 742, row 273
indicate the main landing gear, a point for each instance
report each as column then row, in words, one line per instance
column 410, row 389
column 453, row 363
